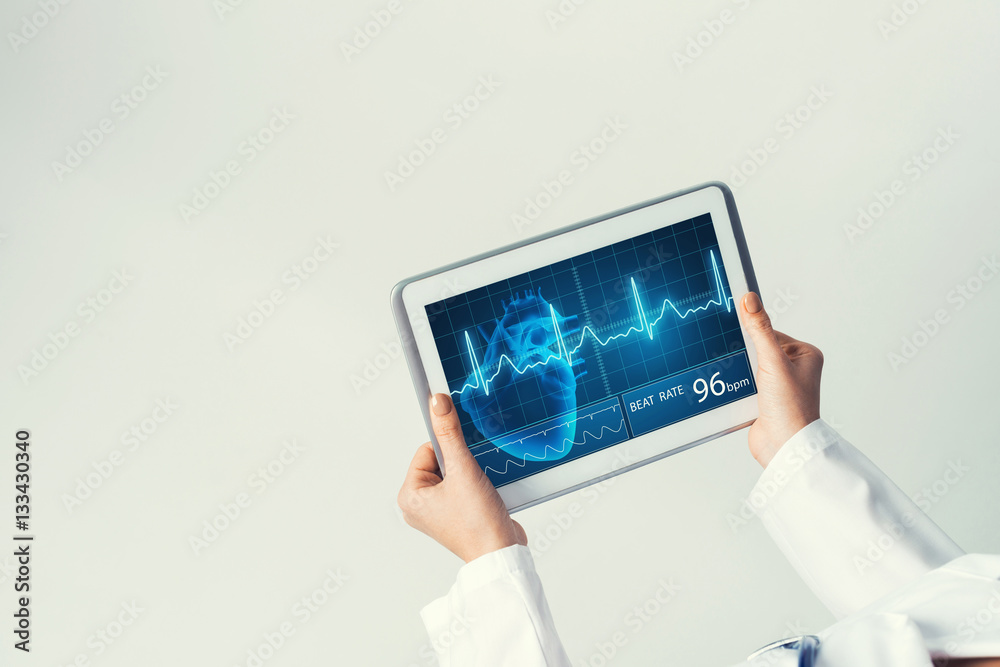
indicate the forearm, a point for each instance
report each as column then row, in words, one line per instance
column 495, row 614
column 848, row 530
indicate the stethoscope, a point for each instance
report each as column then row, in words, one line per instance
column 806, row 645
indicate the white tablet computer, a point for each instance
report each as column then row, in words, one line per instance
column 619, row 331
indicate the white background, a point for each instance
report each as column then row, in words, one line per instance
column 333, row 507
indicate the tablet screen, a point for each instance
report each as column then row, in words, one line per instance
column 577, row 356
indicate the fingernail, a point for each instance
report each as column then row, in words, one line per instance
column 440, row 404
column 752, row 303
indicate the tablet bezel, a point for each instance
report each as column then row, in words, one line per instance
column 410, row 297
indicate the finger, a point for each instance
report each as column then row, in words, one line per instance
column 804, row 352
column 425, row 459
column 785, row 339
column 448, row 430
column 758, row 325
column 795, row 348
column 522, row 537
column 423, row 470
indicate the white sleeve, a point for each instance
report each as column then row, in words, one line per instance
column 852, row 535
column 495, row 614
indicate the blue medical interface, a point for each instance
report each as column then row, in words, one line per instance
column 578, row 356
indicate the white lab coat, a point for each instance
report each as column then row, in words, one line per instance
column 902, row 589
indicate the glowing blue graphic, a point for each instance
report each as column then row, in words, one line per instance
column 540, row 364
column 529, row 328
column 563, row 353
column 591, row 430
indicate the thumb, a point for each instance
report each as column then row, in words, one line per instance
column 448, row 431
column 522, row 537
column 758, row 325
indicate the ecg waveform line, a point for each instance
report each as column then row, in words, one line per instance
column 546, row 430
column 563, row 351
column 559, row 450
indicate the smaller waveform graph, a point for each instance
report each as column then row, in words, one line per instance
column 595, row 427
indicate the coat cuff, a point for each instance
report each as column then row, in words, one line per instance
column 439, row 615
column 794, row 455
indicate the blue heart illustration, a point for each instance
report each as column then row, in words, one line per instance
column 525, row 378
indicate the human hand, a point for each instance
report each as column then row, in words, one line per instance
column 461, row 510
column 788, row 375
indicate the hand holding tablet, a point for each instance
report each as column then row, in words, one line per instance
column 464, row 513
column 558, row 351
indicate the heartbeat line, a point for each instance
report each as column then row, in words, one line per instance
column 559, row 450
column 564, row 352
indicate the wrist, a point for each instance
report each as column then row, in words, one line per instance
column 488, row 544
column 768, row 441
